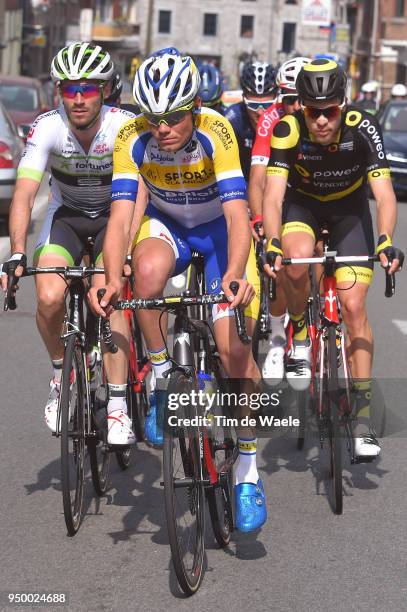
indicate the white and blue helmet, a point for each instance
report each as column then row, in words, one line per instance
column 165, row 81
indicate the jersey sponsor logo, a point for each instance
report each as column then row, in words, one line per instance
column 167, row 238
column 379, row 173
column 375, row 137
column 30, row 133
column 330, row 185
column 347, row 146
column 310, row 157
column 259, row 159
column 268, row 121
column 127, row 195
column 89, row 181
column 222, row 131
column 232, row 194
column 333, row 148
column 190, row 157
column 161, row 157
column 128, row 130
column 303, row 171
column 101, row 148
column 93, row 166
column 336, row 173
column 188, row 176
column 216, row 282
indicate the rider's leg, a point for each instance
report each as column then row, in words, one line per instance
column 360, row 354
column 297, row 287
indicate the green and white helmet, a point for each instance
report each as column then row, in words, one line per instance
column 82, row 60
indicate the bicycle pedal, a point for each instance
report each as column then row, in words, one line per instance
column 363, row 460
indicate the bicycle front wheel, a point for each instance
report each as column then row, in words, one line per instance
column 72, row 410
column 334, row 424
column 184, row 492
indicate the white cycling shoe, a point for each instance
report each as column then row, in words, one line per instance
column 273, row 366
column 119, row 429
column 366, row 446
column 298, row 369
column 51, row 407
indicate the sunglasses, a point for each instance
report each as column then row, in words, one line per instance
column 289, row 99
column 169, row 119
column 331, row 112
column 255, row 105
column 87, row 90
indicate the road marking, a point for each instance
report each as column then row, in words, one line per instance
column 401, row 324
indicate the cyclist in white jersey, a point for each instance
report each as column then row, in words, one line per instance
column 76, row 142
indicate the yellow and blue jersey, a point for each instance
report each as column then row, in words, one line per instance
column 189, row 185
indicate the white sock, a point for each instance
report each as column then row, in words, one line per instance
column 117, row 398
column 159, row 361
column 246, row 470
column 277, row 331
column 57, row 365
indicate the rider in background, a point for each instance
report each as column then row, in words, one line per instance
column 369, row 101
column 258, row 83
column 211, row 88
column 287, row 104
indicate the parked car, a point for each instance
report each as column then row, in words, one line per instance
column 11, row 149
column 393, row 121
column 24, row 98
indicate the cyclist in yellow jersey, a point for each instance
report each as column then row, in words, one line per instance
column 320, row 159
column 189, row 160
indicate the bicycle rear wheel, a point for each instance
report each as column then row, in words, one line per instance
column 184, row 492
column 72, row 410
column 334, row 423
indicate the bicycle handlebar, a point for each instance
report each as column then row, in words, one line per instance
column 69, row 272
column 330, row 256
column 179, row 301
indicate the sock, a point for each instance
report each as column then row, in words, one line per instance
column 246, row 470
column 117, row 398
column 277, row 331
column 299, row 327
column 159, row 361
column 57, row 365
column 363, row 388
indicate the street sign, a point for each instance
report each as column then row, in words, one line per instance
column 316, row 12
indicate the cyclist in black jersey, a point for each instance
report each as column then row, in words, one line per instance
column 321, row 158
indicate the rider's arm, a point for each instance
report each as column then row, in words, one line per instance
column 273, row 204
column 116, row 242
column 20, row 213
column 29, row 175
column 257, row 183
column 139, row 210
column 386, row 202
column 237, row 222
column 260, row 157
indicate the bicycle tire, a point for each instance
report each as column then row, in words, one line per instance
column 181, row 460
column 99, row 457
column 223, row 448
column 334, row 423
column 72, row 410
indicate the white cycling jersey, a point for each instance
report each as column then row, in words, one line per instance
column 81, row 181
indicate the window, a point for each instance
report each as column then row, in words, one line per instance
column 399, row 8
column 291, row 1
column 164, row 22
column 288, row 37
column 210, row 24
column 246, row 26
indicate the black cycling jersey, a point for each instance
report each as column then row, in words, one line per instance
column 329, row 172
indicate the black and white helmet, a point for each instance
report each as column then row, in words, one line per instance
column 288, row 72
column 165, row 81
column 258, row 78
column 81, row 60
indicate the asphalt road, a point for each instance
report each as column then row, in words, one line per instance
column 305, row 558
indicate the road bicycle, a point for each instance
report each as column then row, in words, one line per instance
column 82, row 416
column 198, row 453
column 331, row 377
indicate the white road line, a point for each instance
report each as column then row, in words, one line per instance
column 401, row 324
